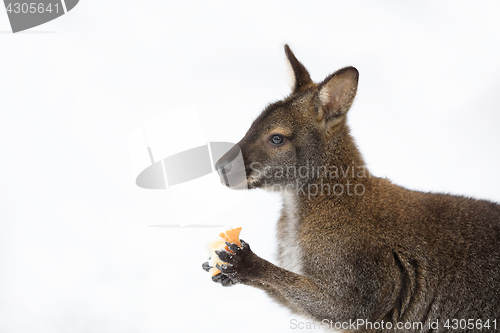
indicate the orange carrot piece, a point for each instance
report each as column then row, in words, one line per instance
column 232, row 236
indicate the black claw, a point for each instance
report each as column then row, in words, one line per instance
column 222, row 279
column 226, row 281
column 244, row 245
column 233, row 247
column 206, row 266
column 217, row 277
column 223, row 255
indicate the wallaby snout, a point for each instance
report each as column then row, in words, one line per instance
column 231, row 169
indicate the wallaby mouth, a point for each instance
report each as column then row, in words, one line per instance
column 231, row 169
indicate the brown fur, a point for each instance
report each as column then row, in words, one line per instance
column 389, row 254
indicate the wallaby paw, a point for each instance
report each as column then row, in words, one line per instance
column 239, row 264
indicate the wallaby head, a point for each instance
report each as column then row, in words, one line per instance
column 306, row 129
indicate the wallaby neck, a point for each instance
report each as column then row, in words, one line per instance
column 345, row 155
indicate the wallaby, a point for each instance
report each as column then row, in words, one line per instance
column 352, row 246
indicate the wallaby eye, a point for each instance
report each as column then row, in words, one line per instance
column 276, row 139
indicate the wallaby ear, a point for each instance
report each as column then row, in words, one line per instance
column 300, row 75
column 337, row 92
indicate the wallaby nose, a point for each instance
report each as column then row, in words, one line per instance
column 224, row 165
column 231, row 168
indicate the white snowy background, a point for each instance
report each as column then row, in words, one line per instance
column 80, row 246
